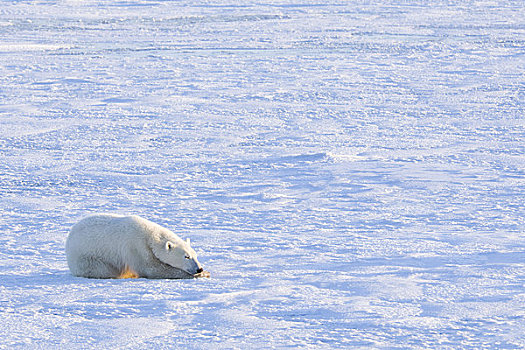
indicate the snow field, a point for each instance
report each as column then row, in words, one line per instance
column 351, row 173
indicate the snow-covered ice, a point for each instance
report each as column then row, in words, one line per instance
column 350, row 172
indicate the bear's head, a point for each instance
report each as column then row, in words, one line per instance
column 179, row 254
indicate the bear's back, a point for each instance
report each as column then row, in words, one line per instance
column 103, row 232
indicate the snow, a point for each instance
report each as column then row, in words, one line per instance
column 350, row 172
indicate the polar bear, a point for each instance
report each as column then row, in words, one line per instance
column 115, row 246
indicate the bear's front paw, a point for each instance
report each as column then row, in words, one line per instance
column 202, row 274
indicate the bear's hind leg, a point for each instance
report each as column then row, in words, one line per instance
column 94, row 267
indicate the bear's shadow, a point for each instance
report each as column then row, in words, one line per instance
column 50, row 278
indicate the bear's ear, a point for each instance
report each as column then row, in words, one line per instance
column 188, row 241
column 169, row 245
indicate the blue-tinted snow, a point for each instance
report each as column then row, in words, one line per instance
column 351, row 172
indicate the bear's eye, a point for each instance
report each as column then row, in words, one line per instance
column 187, row 256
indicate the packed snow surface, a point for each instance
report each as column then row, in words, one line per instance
column 350, row 172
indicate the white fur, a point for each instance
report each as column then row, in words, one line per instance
column 107, row 246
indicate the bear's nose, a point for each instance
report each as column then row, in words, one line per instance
column 200, row 270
